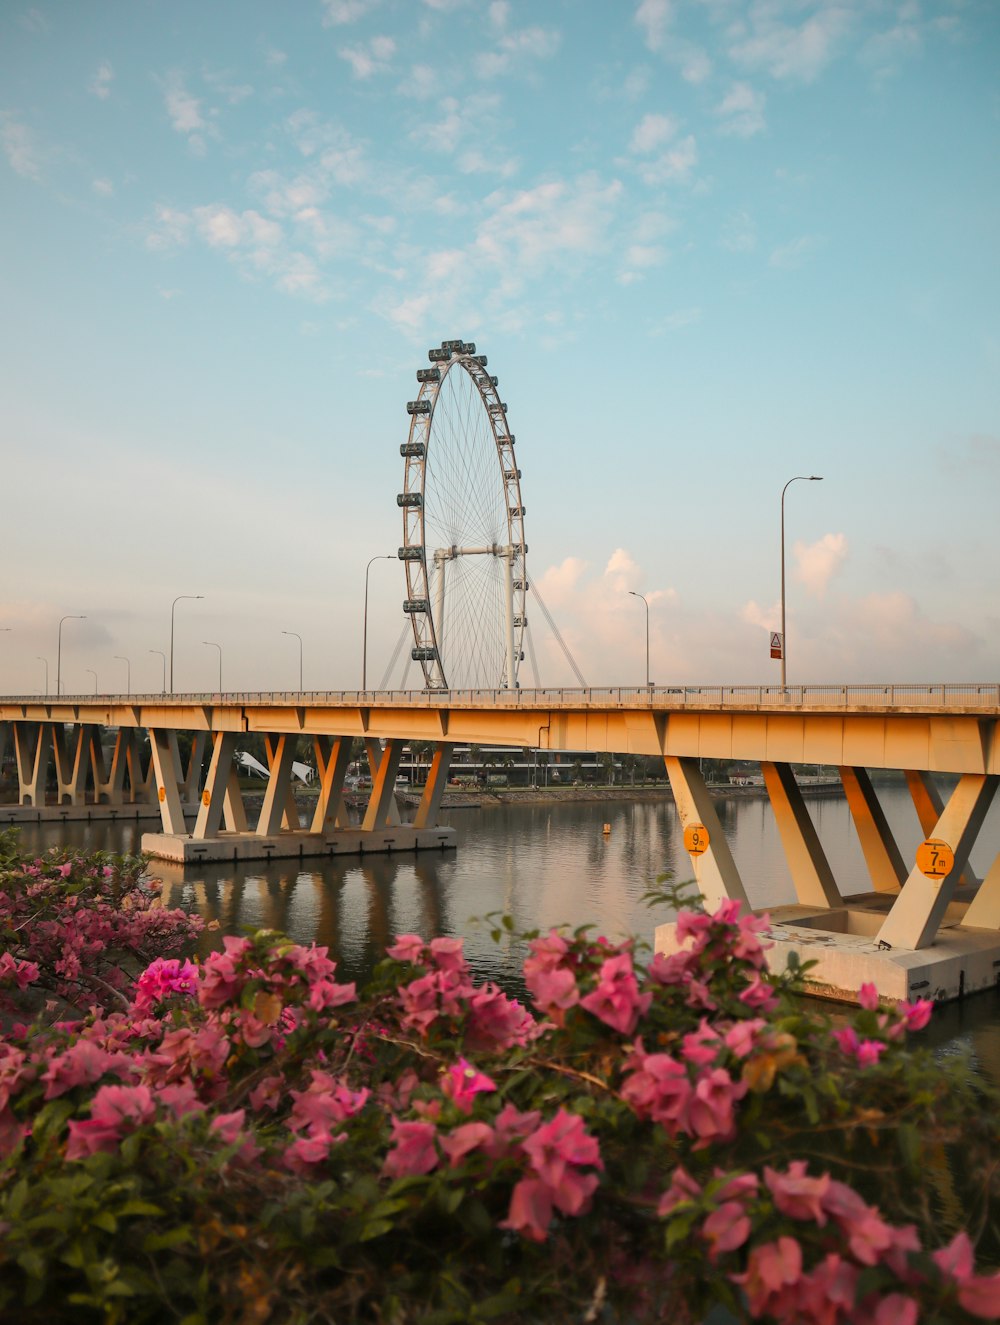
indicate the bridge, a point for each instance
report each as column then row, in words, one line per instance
column 117, row 755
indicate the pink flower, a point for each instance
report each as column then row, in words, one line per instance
column 462, row 1083
column 710, row 1108
column 917, row 1014
column 616, row 1001
column 772, row 1267
column 658, row 1087
column 868, row 996
column 557, row 1150
column 498, row 1022
column 470, row 1136
column 870, row 1051
column 682, row 1188
column 229, row 1126
column 555, row 988
column 726, row 1228
column 672, row 970
column 82, row 1064
column 740, row 1039
column 796, row 1194
column 414, row 1149
column 446, row 954
column 759, row 994
column 701, row 1047
column 530, row 1211
column 407, row 948
column 20, row 973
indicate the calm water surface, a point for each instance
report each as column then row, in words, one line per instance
column 543, row 865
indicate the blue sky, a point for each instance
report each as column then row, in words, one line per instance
column 706, row 246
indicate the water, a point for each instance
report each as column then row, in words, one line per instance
column 542, row 864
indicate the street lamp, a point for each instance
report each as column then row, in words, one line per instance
column 164, row 657
column 128, row 672
column 172, row 606
column 212, row 645
column 46, row 662
column 364, row 633
column 806, row 478
column 645, row 604
column 59, row 649
column 299, row 638
column 94, row 675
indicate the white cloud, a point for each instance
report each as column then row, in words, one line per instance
column 371, row 58
column 739, row 233
column 676, row 164
column 741, row 111
column 794, row 254
column 654, row 17
column 338, row 12
column 419, row 81
column 185, row 113
column 100, row 84
column 515, row 47
column 550, row 222
column 169, row 230
column 19, row 147
column 104, row 187
column 651, row 132
column 817, row 563
column 784, row 50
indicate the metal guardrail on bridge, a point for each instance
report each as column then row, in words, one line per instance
column 983, row 696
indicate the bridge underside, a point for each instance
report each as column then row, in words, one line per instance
column 910, row 932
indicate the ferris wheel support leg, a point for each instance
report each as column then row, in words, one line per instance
column 509, row 614
column 332, row 760
column 382, row 810
column 437, row 780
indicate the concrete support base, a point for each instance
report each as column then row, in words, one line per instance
column 290, row 844
column 843, row 942
column 33, row 814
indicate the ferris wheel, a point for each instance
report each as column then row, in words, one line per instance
column 463, row 527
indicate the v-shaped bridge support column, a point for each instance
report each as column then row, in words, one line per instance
column 33, row 753
column 929, row 807
column 382, row 809
column 279, row 809
column 918, row 910
column 715, row 870
column 882, row 855
column 332, row 761
column 167, row 772
column 437, row 780
column 217, row 787
column 811, row 873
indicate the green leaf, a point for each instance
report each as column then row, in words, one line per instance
column 176, row 1237
column 375, row 1229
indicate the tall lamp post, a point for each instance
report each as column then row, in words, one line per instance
column 172, row 606
column 645, row 604
column 94, row 675
column 46, row 662
column 212, row 645
column 59, row 649
column 806, row 478
column 299, row 638
column 128, row 672
column 364, row 633
column 164, row 657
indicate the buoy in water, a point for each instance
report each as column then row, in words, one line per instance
column 607, row 830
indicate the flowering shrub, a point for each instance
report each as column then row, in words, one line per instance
column 252, row 1140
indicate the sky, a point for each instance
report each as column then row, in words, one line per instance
column 707, row 246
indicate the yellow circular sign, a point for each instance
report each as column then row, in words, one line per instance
column 696, row 839
column 206, row 797
column 935, row 858
column 162, row 793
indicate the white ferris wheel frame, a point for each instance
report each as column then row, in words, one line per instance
column 426, row 593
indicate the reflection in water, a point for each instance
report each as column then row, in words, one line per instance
column 543, row 864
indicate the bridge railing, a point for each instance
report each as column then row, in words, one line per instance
column 949, row 695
